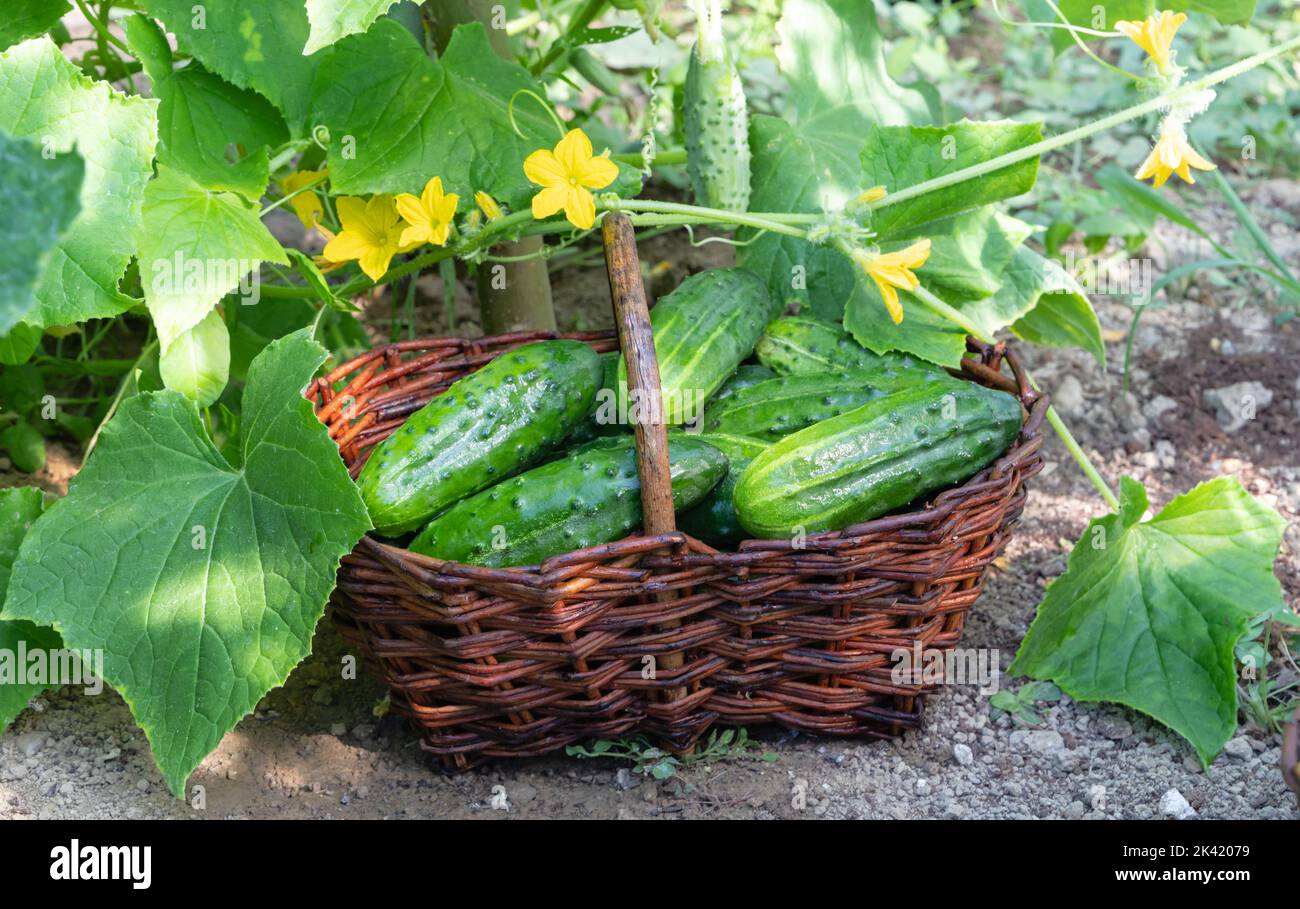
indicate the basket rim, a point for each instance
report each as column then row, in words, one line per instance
column 687, row 551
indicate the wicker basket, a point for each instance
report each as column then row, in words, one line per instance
column 658, row 633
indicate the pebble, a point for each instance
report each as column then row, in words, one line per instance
column 1044, row 741
column 1172, row 804
column 1158, row 406
column 1237, row 404
column 922, row 787
column 338, row 730
column 1097, row 797
column 1068, row 397
column 142, row 784
column 1239, row 748
column 364, row 731
column 963, row 755
column 31, row 743
column 624, row 779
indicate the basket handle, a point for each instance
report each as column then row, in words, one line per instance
column 636, row 339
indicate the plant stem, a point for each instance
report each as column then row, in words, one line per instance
column 127, row 379
column 700, row 215
column 955, row 316
column 664, row 158
column 1074, row 135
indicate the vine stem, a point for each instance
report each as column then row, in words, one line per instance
column 1074, row 135
column 699, row 214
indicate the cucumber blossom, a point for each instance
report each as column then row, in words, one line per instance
column 875, row 459
column 590, row 496
column 488, row 425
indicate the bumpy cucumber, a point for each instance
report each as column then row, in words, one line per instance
column 874, row 459
column 796, row 345
column 716, row 123
column 743, row 377
column 773, row 409
column 590, row 496
column 702, row 330
column 488, row 425
column 593, row 427
column 714, row 520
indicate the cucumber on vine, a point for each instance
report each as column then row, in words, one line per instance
column 715, row 117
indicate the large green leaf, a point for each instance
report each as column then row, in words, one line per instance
column 1063, row 319
column 201, row 580
column 197, row 246
column 25, row 19
column 216, row 133
column 198, row 363
column 449, row 118
column 19, row 508
column 1147, row 613
column 46, row 98
column 332, row 20
column 922, row 333
column 897, row 157
column 251, row 43
column 830, row 52
column 969, row 252
column 42, row 197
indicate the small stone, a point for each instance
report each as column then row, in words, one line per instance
column 624, row 779
column 142, row 784
column 1069, row 395
column 922, row 787
column 1097, row 797
column 31, row 743
column 1239, row 748
column 1158, row 406
column 338, row 730
column 1044, row 741
column 1172, row 804
column 1115, row 729
column 363, row 731
column 1237, row 404
column 1075, row 810
column 962, row 754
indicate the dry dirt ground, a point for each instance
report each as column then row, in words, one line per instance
column 316, row 748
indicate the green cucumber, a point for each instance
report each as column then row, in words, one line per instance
column 590, row 496
column 714, row 520
column 716, row 121
column 872, row 460
column 702, row 330
column 743, row 377
column 773, row 409
column 797, row 345
column 592, row 427
column 488, row 425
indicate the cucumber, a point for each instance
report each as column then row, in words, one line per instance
column 797, row 345
column 714, row 520
column 488, row 425
column 702, row 330
column 590, row 496
column 773, row 409
column 872, row 460
column 716, row 121
column 743, row 377
column 606, row 394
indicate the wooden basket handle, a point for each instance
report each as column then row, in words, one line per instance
column 636, row 339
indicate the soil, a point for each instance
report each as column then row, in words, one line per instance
column 319, row 748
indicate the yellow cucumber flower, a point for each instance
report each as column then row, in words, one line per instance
column 1172, row 155
column 1155, row 35
column 429, row 216
column 867, row 196
column 567, row 175
column 371, row 234
column 306, row 205
column 487, row 205
column 894, row 270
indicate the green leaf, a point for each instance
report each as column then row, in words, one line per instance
column 1090, row 14
column 830, row 53
column 1131, row 193
column 968, row 252
column 1027, row 277
column 922, row 333
column 250, row 43
column 19, row 508
column 19, row 345
column 315, row 279
column 1063, row 320
column 25, row 19
column 45, row 97
column 332, row 20
column 201, row 582
column 25, row 444
column 216, row 133
column 449, row 117
column 1147, row 614
column 46, row 193
column 198, row 363
column 196, row 247
column 898, row 157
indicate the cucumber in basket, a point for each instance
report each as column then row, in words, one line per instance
column 773, row 409
column 702, row 330
column 595, row 425
column 714, row 520
column 872, row 460
column 743, row 377
column 590, row 496
column 488, row 425
column 797, row 345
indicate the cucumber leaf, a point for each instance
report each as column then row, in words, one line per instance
column 46, row 191
column 450, row 117
column 45, row 97
column 19, row 345
column 1063, row 319
column 969, row 252
column 332, row 20
column 196, row 247
column 198, row 363
column 250, row 43
column 1147, row 613
column 897, row 157
column 201, row 582
column 19, row 508
column 25, row 19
